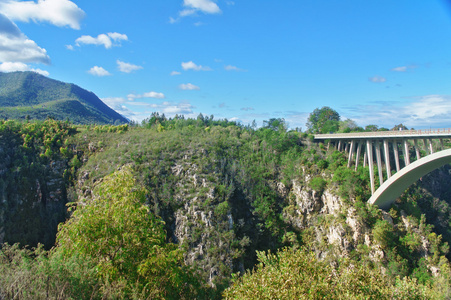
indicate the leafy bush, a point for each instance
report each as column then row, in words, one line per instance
column 298, row 274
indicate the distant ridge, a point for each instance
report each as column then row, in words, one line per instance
column 31, row 94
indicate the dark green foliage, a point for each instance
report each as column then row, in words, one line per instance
column 323, row 120
column 34, row 175
column 318, row 184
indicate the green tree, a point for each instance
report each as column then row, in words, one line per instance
column 348, row 125
column 125, row 244
column 323, row 120
column 276, row 124
column 371, row 128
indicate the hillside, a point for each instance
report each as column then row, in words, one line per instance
column 221, row 198
column 31, row 95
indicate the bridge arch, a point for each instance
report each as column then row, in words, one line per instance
column 391, row 189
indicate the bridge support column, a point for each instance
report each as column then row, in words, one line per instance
column 365, row 159
column 379, row 162
column 369, row 152
column 339, row 145
column 441, row 144
column 357, row 156
column 417, row 150
column 387, row 159
column 395, row 151
column 351, row 153
column 426, row 148
column 431, row 149
column 405, row 152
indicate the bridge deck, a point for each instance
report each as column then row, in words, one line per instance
column 406, row 134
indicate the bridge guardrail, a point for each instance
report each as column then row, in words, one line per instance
column 394, row 133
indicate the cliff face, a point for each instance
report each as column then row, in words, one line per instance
column 225, row 193
column 224, row 196
column 33, row 190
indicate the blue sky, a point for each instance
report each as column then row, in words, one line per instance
column 379, row 62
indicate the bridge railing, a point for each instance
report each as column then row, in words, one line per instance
column 394, row 133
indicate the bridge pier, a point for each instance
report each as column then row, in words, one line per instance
column 369, row 152
column 371, row 143
column 387, row 159
column 351, row 153
column 417, row 150
column 357, row 157
column 379, row 162
column 405, row 152
column 395, row 152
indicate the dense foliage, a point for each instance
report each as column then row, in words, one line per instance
column 298, row 274
column 110, row 247
column 174, row 201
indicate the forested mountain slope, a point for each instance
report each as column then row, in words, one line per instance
column 225, row 192
column 31, row 95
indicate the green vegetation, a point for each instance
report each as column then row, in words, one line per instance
column 111, row 247
column 29, row 95
column 298, row 274
column 173, row 208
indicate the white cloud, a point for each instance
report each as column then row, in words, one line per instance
column 422, row 112
column 102, row 39
column 399, row 69
column 187, row 12
column 205, row 6
column 173, row 73
column 98, row 71
column 138, row 111
column 173, row 21
column 127, row 67
column 16, row 47
column 403, row 68
column 192, row 66
column 188, row 87
column 70, row 47
column 57, row 12
column 18, row 66
column 191, row 7
column 117, row 103
column 132, row 97
column 233, row 68
column 377, row 79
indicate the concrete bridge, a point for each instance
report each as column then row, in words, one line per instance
column 405, row 173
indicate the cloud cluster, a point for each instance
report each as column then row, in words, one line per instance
column 422, row 112
column 98, row 71
column 205, row 6
column 132, row 97
column 18, row 66
column 192, row 7
column 188, row 87
column 377, row 79
column 170, row 109
column 127, row 67
column 57, row 12
column 107, row 40
column 233, row 68
column 403, row 68
column 16, row 47
column 190, row 65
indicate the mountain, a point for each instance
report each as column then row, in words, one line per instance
column 30, row 94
